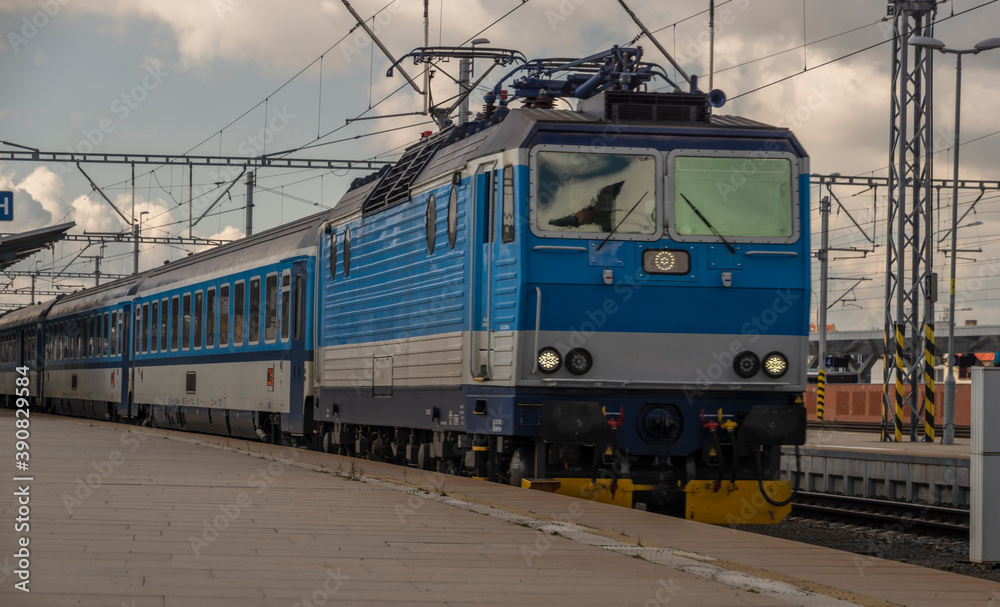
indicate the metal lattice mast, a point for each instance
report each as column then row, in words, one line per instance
column 909, row 308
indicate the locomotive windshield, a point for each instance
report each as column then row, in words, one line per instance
column 745, row 198
column 602, row 193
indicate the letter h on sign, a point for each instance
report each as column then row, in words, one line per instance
column 6, row 206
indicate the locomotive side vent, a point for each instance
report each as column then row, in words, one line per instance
column 625, row 106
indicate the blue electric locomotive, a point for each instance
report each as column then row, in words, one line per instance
column 609, row 301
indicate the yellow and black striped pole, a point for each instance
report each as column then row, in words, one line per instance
column 820, row 393
column 929, row 382
column 885, row 385
column 898, row 421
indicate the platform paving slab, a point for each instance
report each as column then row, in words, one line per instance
column 301, row 529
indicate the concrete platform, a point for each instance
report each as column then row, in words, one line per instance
column 136, row 517
column 818, row 439
column 859, row 464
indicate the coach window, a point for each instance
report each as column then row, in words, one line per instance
column 154, row 326
column 286, row 294
column 90, row 336
column 145, row 328
column 270, row 308
column 210, row 318
column 186, row 323
column 239, row 303
column 347, row 252
column 431, row 221
column 137, row 334
column 198, row 312
column 452, row 217
column 224, row 315
column 107, row 329
column 98, row 333
column 175, row 321
column 507, row 209
column 253, row 312
column 81, row 332
column 164, row 324
column 114, row 333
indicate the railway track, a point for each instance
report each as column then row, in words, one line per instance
column 897, row 516
column 873, row 427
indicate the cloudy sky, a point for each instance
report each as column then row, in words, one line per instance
column 243, row 77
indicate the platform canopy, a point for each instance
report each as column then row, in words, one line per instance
column 15, row 247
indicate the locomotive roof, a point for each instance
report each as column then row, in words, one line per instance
column 520, row 123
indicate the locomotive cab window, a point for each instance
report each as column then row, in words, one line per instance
column 507, row 206
column 592, row 195
column 741, row 198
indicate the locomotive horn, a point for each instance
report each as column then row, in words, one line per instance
column 717, row 98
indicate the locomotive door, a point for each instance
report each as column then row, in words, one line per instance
column 483, row 237
column 299, row 416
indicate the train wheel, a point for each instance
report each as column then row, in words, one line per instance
column 520, row 465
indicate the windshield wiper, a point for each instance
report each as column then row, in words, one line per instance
column 732, row 251
column 612, row 233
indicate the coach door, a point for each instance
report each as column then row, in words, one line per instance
column 299, row 416
column 124, row 376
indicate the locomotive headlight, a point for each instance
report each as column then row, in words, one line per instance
column 775, row 364
column 664, row 261
column 549, row 360
column 746, row 364
column 579, row 361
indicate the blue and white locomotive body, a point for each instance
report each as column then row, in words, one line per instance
column 551, row 266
